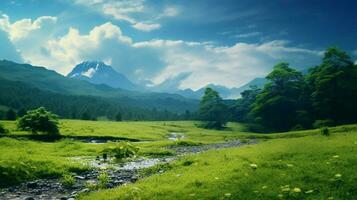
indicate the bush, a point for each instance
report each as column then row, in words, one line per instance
column 39, row 120
column 2, row 129
column 325, row 131
column 323, row 123
column 121, row 150
column 68, row 180
column 103, row 180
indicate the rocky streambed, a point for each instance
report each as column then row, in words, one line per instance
column 116, row 173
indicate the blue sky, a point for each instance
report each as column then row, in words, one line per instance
column 194, row 43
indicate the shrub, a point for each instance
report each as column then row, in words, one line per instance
column 121, row 150
column 325, row 131
column 2, row 129
column 103, row 180
column 323, row 123
column 68, row 180
column 39, row 120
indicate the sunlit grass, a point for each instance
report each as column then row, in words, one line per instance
column 312, row 167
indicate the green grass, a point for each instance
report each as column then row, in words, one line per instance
column 298, row 159
column 312, row 167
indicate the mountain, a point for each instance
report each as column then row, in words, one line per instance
column 225, row 92
column 99, row 73
column 49, row 81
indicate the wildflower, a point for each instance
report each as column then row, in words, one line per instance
column 297, row 190
column 290, row 165
column 280, row 195
column 227, row 194
column 264, row 187
column 254, row 166
column 309, row 191
column 192, row 195
column 330, row 198
column 327, row 162
column 178, row 175
column 335, row 156
column 256, row 191
column 216, row 178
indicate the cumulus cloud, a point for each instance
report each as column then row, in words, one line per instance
column 22, row 28
column 182, row 63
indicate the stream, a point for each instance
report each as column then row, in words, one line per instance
column 118, row 174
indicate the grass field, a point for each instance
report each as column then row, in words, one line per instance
column 312, row 167
column 292, row 165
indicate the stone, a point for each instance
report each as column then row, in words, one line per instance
column 29, row 198
column 80, row 177
column 32, row 185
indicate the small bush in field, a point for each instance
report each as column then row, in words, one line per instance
column 121, row 150
column 68, row 180
column 2, row 129
column 39, row 120
column 325, row 131
column 103, row 180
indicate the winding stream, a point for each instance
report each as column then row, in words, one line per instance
column 118, row 174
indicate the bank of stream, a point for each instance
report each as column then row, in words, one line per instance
column 117, row 173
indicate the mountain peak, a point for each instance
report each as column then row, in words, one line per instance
column 98, row 72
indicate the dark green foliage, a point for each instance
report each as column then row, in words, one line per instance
column 333, row 87
column 85, row 116
column 325, row 131
column 20, row 95
column 21, row 112
column 277, row 106
column 2, row 129
column 323, row 123
column 243, row 105
column 326, row 96
column 213, row 112
column 118, row 117
column 39, row 120
column 10, row 115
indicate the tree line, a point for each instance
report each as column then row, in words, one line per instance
column 19, row 98
column 291, row 100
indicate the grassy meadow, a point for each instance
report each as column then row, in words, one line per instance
column 291, row 165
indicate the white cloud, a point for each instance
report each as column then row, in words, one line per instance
column 20, row 29
column 146, row 27
column 134, row 12
column 155, row 60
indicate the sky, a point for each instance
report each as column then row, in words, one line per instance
column 190, row 43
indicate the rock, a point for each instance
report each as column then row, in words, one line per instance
column 85, row 190
column 32, row 185
column 29, row 198
column 63, row 198
column 80, row 177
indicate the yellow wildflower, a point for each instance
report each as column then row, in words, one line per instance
column 297, row 190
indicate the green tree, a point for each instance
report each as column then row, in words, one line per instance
column 21, row 112
column 212, row 110
column 276, row 108
column 244, row 104
column 39, row 120
column 118, row 117
column 333, row 88
column 10, row 115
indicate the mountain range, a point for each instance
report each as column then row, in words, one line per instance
column 97, row 72
column 50, row 82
